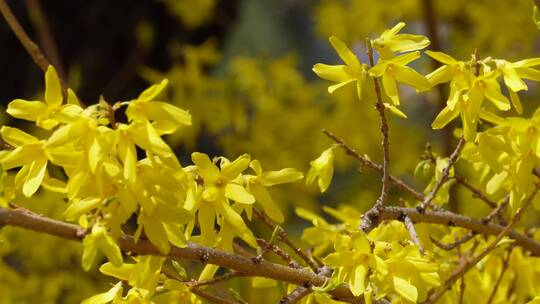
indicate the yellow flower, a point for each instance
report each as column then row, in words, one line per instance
column 29, row 153
column 323, row 168
column 50, row 113
column 218, row 186
column 352, row 72
column 391, row 42
column 468, row 104
column 166, row 118
column 513, row 72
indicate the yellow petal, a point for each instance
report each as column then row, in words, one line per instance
column 441, row 75
column 406, row 43
column 516, row 102
column 283, row 176
column 493, row 93
column 357, row 282
column 162, row 111
column 35, row 176
column 394, row 110
column 105, row 297
column 80, row 207
column 156, row 233
column 441, row 57
column 444, row 117
column 390, row 88
column 230, row 170
column 231, row 216
column 16, row 137
column 267, row 203
column 409, row 76
column 345, row 53
column 335, row 87
column 336, row 73
column 153, row 91
column 238, row 194
column 512, row 80
column 405, row 289
column 53, row 89
column 123, row 272
column 206, row 167
column 28, row 110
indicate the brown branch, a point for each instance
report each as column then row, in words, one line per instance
column 26, row 219
column 31, row 47
column 452, row 219
column 45, row 36
column 366, row 162
column 370, row 219
column 445, row 175
column 464, row 268
column 499, row 279
column 285, row 239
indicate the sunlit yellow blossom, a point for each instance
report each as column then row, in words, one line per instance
column 51, row 112
column 29, row 153
column 323, row 168
column 218, row 186
column 391, row 42
column 352, row 72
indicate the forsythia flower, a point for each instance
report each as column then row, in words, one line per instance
column 352, row 72
column 212, row 197
column 391, row 42
column 322, row 167
column 50, row 113
column 29, row 153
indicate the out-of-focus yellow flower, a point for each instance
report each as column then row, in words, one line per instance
column 352, row 72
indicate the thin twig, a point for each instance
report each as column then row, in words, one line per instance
column 212, row 298
column 499, row 279
column 444, row 177
column 301, row 291
column 31, row 47
column 464, row 239
column 370, row 219
column 285, row 239
column 412, row 231
column 45, row 36
column 462, row 290
column 279, row 252
column 463, row 269
column 366, row 162
column 476, row 193
column 216, row 280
